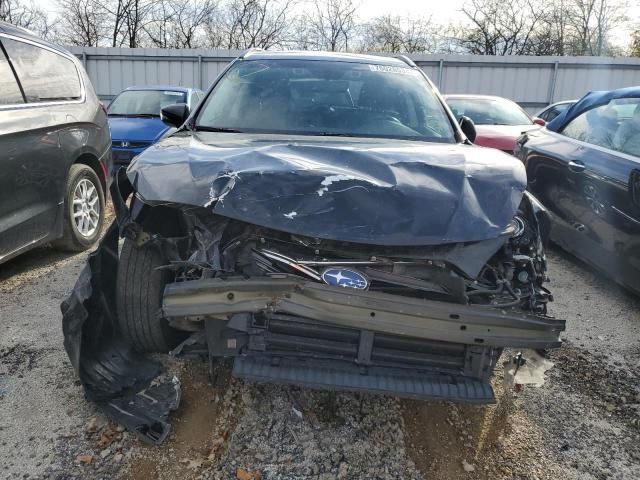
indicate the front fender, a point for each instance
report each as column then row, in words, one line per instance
column 537, row 215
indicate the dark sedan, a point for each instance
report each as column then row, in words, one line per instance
column 585, row 168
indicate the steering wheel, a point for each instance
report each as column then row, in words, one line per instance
column 317, row 112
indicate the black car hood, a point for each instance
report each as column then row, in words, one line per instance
column 372, row 191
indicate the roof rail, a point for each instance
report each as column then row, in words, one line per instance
column 252, row 50
column 406, row 60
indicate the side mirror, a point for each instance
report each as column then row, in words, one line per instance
column 539, row 121
column 468, row 128
column 175, row 114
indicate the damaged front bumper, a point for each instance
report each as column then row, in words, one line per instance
column 283, row 327
column 374, row 311
column 292, row 331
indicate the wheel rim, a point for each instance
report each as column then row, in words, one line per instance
column 86, row 208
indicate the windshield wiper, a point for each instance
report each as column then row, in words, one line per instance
column 200, row 128
column 334, row 134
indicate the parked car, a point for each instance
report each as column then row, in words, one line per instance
column 499, row 121
column 134, row 117
column 322, row 219
column 552, row 111
column 585, row 167
column 55, row 154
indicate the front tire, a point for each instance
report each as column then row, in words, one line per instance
column 140, row 286
column 83, row 209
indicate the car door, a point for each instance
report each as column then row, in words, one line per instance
column 34, row 170
column 10, row 98
column 589, row 186
column 27, row 147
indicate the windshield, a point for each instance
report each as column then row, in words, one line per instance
column 144, row 102
column 489, row 111
column 326, row 98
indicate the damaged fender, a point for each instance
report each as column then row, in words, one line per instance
column 122, row 383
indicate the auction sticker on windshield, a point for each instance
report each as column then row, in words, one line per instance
column 391, row 69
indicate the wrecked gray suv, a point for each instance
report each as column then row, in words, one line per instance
column 323, row 220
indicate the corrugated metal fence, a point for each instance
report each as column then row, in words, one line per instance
column 533, row 82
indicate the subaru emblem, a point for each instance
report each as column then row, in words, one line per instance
column 345, row 277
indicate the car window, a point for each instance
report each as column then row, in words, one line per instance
column 554, row 111
column 318, row 97
column 9, row 90
column 144, row 102
column 489, row 111
column 44, row 75
column 615, row 125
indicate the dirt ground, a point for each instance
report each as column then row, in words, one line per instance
column 583, row 423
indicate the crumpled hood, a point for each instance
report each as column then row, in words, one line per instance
column 137, row 129
column 372, row 191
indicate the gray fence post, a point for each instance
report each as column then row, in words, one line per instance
column 552, row 83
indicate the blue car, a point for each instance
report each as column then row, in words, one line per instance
column 585, row 168
column 134, row 118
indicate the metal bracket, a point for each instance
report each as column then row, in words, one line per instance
column 365, row 347
column 479, row 361
column 222, row 341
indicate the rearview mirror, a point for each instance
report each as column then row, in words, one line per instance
column 175, row 114
column 539, row 121
column 468, row 128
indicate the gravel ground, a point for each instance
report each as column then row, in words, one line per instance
column 583, row 423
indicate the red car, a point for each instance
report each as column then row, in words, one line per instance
column 499, row 122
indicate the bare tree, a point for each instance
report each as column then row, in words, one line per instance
column 115, row 11
column 542, row 27
column 299, row 36
column 492, row 27
column 255, row 23
column 82, row 22
column 136, row 15
column 160, row 28
column 395, row 34
column 550, row 37
column 634, row 49
column 126, row 20
column 591, row 22
column 501, row 27
column 191, row 17
column 384, row 34
column 179, row 23
column 333, row 24
column 25, row 15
